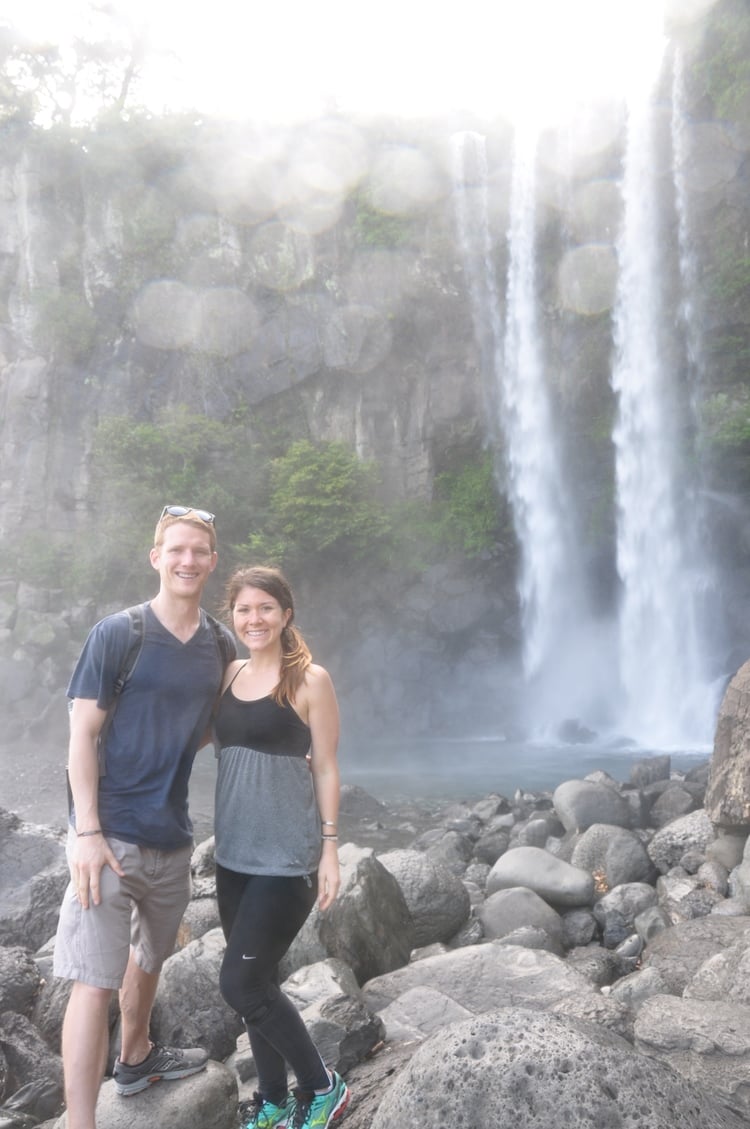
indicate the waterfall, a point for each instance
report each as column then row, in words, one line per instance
column 471, row 197
column 535, row 480
column 561, row 664
column 668, row 699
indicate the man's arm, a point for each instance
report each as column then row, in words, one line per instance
column 91, row 852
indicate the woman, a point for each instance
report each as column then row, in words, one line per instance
column 277, row 798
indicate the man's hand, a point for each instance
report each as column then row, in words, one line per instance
column 90, row 855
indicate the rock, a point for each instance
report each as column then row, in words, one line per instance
column 505, row 911
column 20, row 982
column 369, row 926
column 30, row 1062
column 33, row 877
column 200, row 1017
column 687, row 832
column 618, row 855
column 553, row 879
column 418, row 1013
column 678, row 953
column 207, row 1100
column 709, row 1047
column 482, row 977
column 728, row 793
column 531, row 1071
column 437, row 901
column 616, row 911
column 581, row 803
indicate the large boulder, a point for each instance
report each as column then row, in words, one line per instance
column 369, row 926
column 437, row 899
column 581, row 803
column 727, row 799
column 553, row 879
column 520, row 1068
column 207, row 1100
column 709, row 1046
column 33, row 877
column 198, row 1017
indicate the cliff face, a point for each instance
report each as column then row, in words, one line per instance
column 316, row 278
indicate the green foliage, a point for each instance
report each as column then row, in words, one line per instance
column 725, row 66
column 374, row 228
column 182, row 458
column 322, row 506
column 726, row 436
column 468, row 507
column 65, row 326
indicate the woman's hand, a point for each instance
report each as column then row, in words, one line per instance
column 329, row 876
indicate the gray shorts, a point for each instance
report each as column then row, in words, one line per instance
column 143, row 910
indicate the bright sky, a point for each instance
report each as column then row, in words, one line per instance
column 290, row 58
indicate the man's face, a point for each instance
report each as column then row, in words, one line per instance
column 184, row 559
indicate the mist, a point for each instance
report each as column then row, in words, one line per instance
column 472, row 369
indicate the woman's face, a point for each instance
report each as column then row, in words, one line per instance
column 259, row 619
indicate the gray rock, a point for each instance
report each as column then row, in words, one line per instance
column 420, row 1012
column 673, row 802
column 531, row 1071
column 669, row 844
column 709, row 1047
column 727, row 799
column 615, row 853
column 506, row 911
column 482, row 977
column 678, row 953
column 553, row 879
column 207, row 1101
column 368, row 927
column 616, row 911
column 438, row 902
column 200, row 1017
column 33, row 877
column 20, row 981
column 638, row 986
column 579, row 927
column 581, row 803
column 29, row 1061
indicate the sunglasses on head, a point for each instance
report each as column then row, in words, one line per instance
column 182, row 511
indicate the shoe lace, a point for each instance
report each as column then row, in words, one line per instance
column 302, row 1103
column 249, row 1111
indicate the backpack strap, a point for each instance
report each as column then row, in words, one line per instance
column 223, row 642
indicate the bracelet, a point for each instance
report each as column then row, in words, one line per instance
column 84, row 834
column 330, row 838
column 328, row 823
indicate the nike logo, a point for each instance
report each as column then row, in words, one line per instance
column 247, row 958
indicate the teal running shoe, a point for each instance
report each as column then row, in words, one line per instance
column 317, row 1111
column 262, row 1114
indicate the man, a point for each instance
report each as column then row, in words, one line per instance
column 130, row 839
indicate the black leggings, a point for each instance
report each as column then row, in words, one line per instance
column 261, row 915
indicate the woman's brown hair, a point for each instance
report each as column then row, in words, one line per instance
column 295, row 654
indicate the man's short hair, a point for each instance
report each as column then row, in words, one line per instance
column 189, row 518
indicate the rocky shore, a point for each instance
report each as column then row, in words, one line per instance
column 580, row 957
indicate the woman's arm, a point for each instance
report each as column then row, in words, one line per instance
column 323, row 719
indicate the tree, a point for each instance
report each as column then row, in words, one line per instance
column 322, row 506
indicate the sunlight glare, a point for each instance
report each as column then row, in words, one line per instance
column 297, row 61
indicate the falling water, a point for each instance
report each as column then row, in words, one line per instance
column 667, row 697
column 558, row 638
column 471, row 195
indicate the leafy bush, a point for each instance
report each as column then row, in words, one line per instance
column 469, row 507
column 322, row 505
column 65, row 325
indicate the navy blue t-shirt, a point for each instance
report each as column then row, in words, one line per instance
column 162, row 714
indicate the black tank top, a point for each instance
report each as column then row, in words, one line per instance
column 261, row 724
